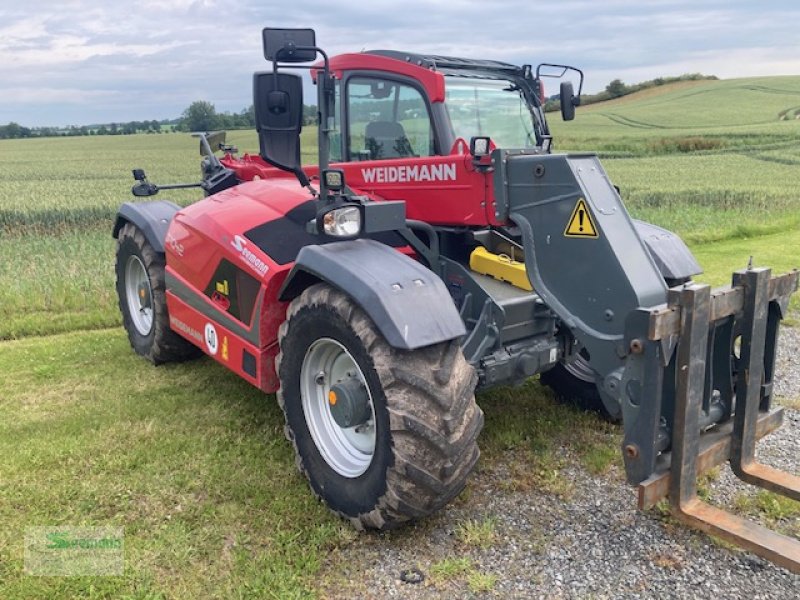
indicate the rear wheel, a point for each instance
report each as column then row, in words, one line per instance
column 575, row 384
column 142, row 300
column 383, row 435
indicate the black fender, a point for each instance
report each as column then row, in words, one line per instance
column 153, row 218
column 674, row 260
column 408, row 303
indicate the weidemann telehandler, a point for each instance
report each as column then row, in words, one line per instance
column 440, row 247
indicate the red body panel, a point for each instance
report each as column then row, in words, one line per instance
column 431, row 81
column 191, row 324
column 441, row 190
column 200, row 236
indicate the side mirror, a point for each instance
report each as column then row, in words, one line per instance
column 289, row 45
column 568, row 101
column 143, row 188
column 278, row 103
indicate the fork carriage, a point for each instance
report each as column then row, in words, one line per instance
column 711, row 354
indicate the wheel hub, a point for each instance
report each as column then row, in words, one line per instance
column 144, row 295
column 349, row 403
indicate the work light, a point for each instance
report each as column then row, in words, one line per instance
column 342, row 222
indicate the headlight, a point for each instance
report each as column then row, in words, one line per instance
column 342, row 222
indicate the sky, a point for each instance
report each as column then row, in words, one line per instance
column 79, row 62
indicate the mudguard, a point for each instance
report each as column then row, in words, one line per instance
column 153, row 218
column 408, row 303
column 672, row 257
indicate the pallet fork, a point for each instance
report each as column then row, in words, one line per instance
column 746, row 315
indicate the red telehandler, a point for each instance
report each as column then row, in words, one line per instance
column 439, row 247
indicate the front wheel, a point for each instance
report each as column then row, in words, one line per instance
column 383, row 435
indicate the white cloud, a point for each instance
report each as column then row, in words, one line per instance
column 128, row 57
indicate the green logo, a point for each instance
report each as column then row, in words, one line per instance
column 73, row 551
column 61, row 541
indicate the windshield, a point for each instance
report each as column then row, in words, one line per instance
column 490, row 107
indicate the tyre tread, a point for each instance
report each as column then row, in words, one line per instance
column 434, row 419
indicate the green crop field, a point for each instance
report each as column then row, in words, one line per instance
column 190, row 460
column 708, row 159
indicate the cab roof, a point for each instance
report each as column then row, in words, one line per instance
column 429, row 70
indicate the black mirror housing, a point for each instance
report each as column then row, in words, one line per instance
column 144, row 189
column 568, row 101
column 278, row 103
column 289, row 45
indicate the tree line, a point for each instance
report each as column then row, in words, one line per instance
column 617, row 88
column 14, row 130
column 203, row 116
column 198, row 116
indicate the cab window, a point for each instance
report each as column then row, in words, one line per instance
column 387, row 119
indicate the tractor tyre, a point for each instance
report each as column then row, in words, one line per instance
column 142, row 300
column 382, row 435
column 574, row 384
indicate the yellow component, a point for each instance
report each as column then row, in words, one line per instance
column 499, row 266
column 225, row 348
column 332, row 398
column 222, row 287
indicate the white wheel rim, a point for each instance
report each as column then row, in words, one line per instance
column 140, row 307
column 347, row 450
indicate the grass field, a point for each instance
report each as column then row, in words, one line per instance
column 192, row 461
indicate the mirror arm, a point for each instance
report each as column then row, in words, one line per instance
column 209, row 152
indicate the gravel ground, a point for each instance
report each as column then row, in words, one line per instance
column 593, row 545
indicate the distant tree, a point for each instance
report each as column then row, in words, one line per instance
column 249, row 115
column 200, row 116
column 10, row 131
column 14, row 130
column 309, row 114
column 616, row 88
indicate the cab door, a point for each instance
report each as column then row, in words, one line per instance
column 389, row 148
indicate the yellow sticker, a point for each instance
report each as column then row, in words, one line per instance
column 225, row 348
column 581, row 223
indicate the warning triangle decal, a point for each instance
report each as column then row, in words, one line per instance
column 581, row 223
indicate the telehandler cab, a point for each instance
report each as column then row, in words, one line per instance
column 440, row 247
